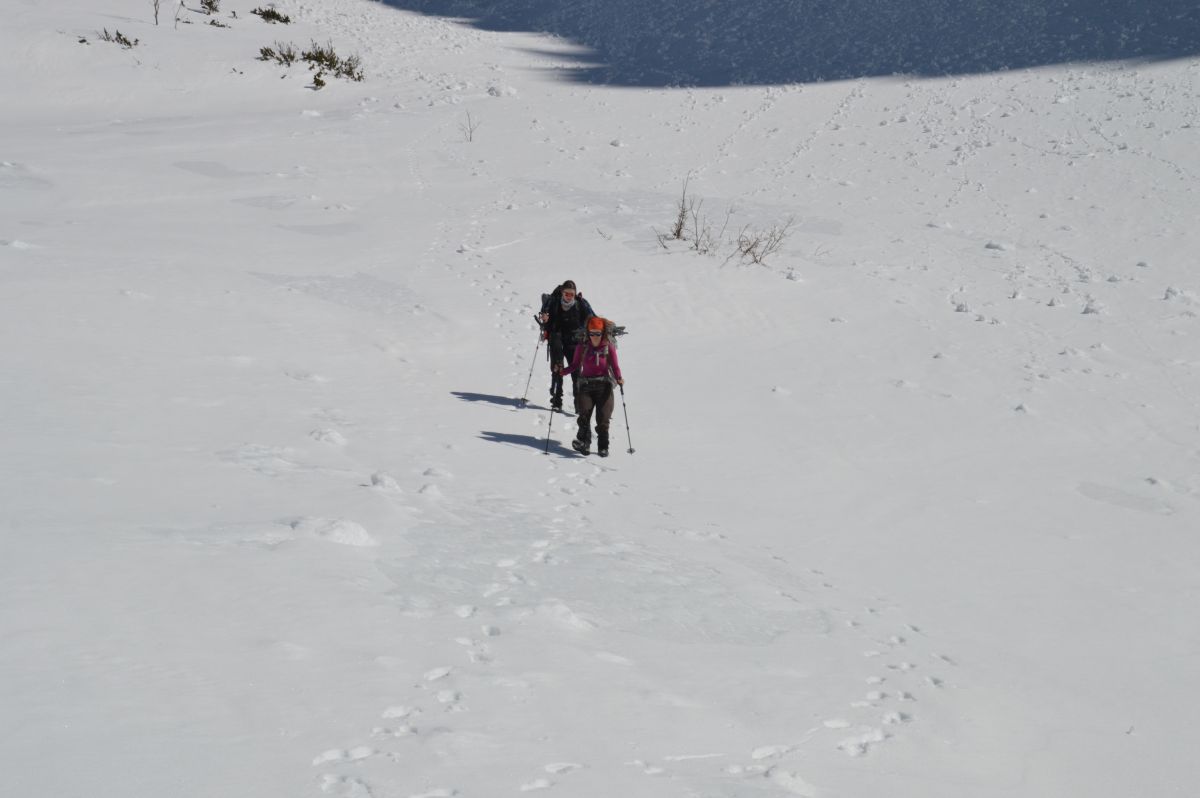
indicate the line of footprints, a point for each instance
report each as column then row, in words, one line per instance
column 876, row 714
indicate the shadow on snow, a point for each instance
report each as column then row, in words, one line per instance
column 506, row 437
column 507, row 401
column 504, row 401
column 759, row 42
column 527, row 440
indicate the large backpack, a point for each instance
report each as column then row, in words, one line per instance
column 611, row 331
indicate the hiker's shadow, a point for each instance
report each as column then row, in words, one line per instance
column 526, row 440
column 468, row 396
column 503, row 401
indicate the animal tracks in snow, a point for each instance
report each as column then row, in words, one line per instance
column 504, row 596
column 344, row 787
column 900, row 682
column 503, row 581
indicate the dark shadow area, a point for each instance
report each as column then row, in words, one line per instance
column 732, row 42
column 544, row 409
column 507, row 401
column 528, row 440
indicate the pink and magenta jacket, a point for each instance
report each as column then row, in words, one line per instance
column 594, row 361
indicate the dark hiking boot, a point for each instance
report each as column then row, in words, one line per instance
column 583, row 447
column 602, row 448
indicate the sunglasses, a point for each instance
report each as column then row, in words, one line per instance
column 595, row 335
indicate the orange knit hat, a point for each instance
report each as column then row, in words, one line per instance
column 595, row 323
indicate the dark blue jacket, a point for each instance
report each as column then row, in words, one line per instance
column 563, row 324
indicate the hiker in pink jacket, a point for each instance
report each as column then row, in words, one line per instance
column 597, row 367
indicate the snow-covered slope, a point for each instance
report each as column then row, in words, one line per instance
column 913, row 508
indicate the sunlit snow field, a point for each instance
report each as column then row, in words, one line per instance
column 914, row 504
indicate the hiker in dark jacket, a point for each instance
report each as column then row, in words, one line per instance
column 564, row 311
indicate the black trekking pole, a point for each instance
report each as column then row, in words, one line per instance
column 549, row 427
column 524, row 400
column 625, row 410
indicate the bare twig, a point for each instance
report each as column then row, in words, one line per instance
column 757, row 245
column 702, row 237
column 681, row 213
column 469, row 127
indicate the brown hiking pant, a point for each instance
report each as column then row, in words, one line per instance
column 594, row 395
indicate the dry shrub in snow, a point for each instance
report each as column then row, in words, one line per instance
column 282, row 53
column 756, row 245
column 691, row 225
column 118, row 38
column 323, row 58
column 269, row 14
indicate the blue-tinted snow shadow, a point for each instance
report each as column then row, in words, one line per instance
column 504, row 401
column 467, row 396
column 527, row 440
column 735, row 42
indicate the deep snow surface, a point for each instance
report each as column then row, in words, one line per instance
column 913, row 510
